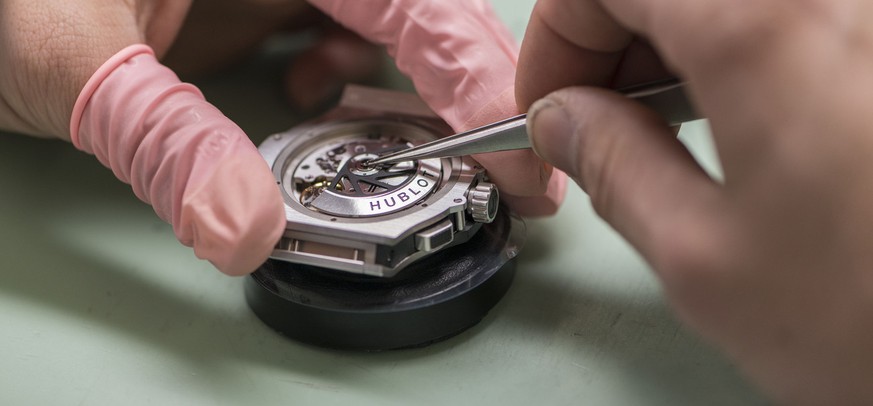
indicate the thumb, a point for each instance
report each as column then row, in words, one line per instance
column 640, row 178
column 181, row 155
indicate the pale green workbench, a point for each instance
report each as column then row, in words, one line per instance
column 100, row 305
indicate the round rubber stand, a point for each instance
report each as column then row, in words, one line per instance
column 433, row 299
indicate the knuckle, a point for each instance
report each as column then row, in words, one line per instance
column 40, row 84
column 49, row 54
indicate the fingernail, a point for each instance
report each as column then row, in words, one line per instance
column 552, row 135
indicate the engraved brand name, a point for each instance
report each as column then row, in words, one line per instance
column 401, row 196
column 404, row 196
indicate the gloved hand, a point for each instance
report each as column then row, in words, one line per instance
column 180, row 154
column 773, row 264
column 460, row 57
column 462, row 61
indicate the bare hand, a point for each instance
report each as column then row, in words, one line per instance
column 774, row 265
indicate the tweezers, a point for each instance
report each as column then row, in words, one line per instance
column 666, row 97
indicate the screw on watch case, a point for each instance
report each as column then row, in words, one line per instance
column 371, row 253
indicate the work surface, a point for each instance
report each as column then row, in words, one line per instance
column 100, row 305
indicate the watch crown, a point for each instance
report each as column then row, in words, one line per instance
column 482, row 202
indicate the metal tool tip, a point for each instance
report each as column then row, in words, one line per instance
column 373, row 162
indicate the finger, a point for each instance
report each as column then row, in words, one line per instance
column 519, row 173
column 567, row 43
column 540, row 206
column 49, row 49
column 640, row 178
column 46, row 57
column 182, row 156
column 580, row 43
column 462, row 62
column 457, row 57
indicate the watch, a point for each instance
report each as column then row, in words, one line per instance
column 347, row 216
column 380, row 257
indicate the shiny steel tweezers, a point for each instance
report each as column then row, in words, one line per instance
column 667, row 98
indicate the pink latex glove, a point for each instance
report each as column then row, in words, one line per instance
column 181, row 155
column 462, row 61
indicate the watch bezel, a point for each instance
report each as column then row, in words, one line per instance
column 379, row 245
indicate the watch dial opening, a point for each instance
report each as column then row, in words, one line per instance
column 333, row 177
column 341, row 169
